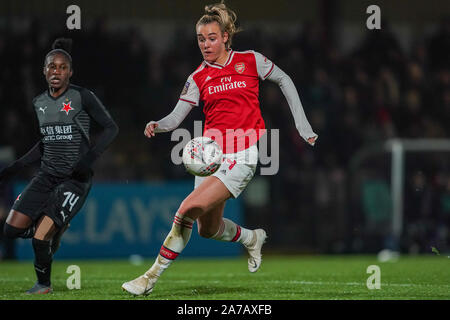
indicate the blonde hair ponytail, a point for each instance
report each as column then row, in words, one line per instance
column 225, row 17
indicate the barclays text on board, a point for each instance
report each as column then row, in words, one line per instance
column 119, row 220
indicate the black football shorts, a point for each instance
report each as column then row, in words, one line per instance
column 58, row 198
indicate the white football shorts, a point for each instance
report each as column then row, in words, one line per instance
column 236, row 170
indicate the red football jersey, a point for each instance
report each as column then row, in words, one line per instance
column 230, row 94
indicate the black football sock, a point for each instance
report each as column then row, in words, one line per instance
column 13, row 232
column 42, row 260
column 28, row 233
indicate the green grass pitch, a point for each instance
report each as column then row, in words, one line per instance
column 342, row 277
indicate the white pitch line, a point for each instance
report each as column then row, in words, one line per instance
column 359, row 283
column 288, row 282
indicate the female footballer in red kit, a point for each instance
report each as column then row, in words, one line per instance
column 227, row 82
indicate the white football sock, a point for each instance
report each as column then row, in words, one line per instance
column 174, row 243
column 230, row 231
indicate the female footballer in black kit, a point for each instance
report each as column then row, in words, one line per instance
column 58, row 190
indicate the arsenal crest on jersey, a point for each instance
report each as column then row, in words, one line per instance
column 239, row 67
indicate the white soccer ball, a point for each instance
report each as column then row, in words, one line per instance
column 202, row 156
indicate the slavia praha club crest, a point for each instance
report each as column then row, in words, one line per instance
column 67, row 106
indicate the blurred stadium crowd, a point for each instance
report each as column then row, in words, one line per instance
column 377, row 91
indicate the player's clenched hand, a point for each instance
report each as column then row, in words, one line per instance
column 312, row 140
column 150, row 129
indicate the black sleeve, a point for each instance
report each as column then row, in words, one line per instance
column 31, row 156
column 98, row 112
column 28, row 159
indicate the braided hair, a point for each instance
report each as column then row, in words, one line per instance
column 63, row 46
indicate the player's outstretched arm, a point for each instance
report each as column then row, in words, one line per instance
column 171, row 121
column 290, row 92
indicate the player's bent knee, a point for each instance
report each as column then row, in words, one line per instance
column 12, row 232
column 192, row 209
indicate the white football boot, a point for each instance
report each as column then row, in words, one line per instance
column 141, row 286
column 254, row 252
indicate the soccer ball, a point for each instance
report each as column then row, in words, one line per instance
column 202, row 156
